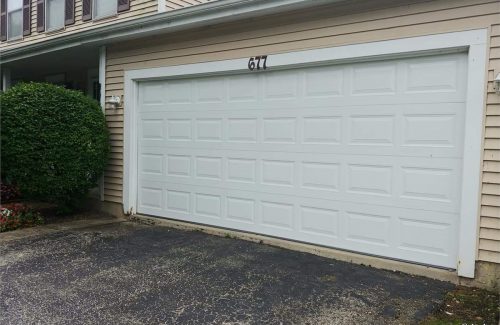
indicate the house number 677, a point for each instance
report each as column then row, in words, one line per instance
column 257, row 62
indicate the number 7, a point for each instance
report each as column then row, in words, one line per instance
column 258, row 62
column 264, row 57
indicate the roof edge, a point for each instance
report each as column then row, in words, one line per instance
column 176, row 20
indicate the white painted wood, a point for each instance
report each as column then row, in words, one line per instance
column 162, row 6
column 470, row 205
column 258, row 152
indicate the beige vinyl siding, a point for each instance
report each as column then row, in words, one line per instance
column 138, row 8
column 179, row 4
column 316, row 28
column 489, row 242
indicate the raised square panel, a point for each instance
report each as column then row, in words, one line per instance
column 241, row 170
column 209, row 129
column 372, row 130
column 437, row 239
column 180, row 91
column 279, row 130
column 242, row 129
column 319, row 221
column 179, row 129
column 239, row 209
column 209, row 167
column 152, row 164
column 430, row 130
column 322, row 130
column 432, row 75
column 210, row 90
column 281, row 85
column 152, row 129
column 178, row 165
column 277, row 214
column 178, row 201
column 151, row 197
column 374, row 79
column 320, row 176
column 277, row 172
column 368, row 228
column 428, row 183
column 208, row 205
column 366, row 179
column 243, row 88
column 324, row 82
column 152, row 93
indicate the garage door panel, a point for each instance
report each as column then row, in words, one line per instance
column 362, row 84
column 398, row 181
column 364, row 157
column 402, row 130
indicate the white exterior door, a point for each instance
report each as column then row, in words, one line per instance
column 365, row 157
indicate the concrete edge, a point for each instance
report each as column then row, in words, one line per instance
column 372, row 261
column 53, row 228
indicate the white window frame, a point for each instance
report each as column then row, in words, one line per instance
column 94, row 6
column 473, row 42
column 47, row 30
column 22, row 23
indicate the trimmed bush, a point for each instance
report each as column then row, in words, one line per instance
column 54, row 142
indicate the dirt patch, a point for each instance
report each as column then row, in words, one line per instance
column 466, row 305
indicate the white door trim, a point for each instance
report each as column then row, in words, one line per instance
column 473, row 41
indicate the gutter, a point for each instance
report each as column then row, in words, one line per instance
column 196, row 16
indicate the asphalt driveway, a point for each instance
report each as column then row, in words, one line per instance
column 126, row 273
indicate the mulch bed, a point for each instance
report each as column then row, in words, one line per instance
column 467, row 305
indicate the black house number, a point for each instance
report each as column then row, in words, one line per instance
column 257, row 62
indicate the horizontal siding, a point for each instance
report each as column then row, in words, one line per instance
column 316, row 28
column 489, row 234
column 138, row 8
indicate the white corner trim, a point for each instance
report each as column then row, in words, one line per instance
column 471, row 169
column 473, row 41
column 102, row 99
column 162, row 6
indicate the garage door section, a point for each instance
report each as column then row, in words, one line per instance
column 365, row 157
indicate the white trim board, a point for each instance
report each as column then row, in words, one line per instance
column 473, row 41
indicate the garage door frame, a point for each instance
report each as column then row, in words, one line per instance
column 473, row 42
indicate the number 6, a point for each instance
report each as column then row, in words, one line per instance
column 251, row 64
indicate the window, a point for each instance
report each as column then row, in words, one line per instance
column 105, row 8
column 55, row 14
column 14, row 18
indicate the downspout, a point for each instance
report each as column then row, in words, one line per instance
column 102, row 99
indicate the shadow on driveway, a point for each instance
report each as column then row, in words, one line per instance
column 126, row 273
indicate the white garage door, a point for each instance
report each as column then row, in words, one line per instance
column 365, row 157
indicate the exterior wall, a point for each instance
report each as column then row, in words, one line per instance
column 179, row 4
column 138, row 8
column 315, row 28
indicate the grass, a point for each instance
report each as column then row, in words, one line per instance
column 467, row 305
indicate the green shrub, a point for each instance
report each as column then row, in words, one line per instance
column 54, row 142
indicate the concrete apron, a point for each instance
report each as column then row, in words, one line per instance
column 356, row 258
column 56, row 227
